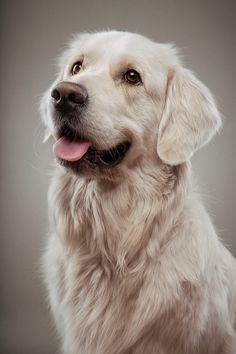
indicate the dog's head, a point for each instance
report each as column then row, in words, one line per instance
column 120, row 100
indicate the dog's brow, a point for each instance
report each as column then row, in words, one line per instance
column 123, row 63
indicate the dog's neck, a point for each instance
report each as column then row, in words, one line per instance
column 114, row 222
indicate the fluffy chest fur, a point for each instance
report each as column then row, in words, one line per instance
column 122, row 279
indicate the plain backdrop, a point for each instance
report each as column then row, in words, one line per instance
column 32, row 35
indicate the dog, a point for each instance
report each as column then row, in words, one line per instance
column 133, row 264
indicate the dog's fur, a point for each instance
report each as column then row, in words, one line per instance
column 133, row 264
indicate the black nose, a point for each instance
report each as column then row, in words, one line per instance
column 69, row 95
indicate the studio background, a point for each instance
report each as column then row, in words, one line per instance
column 33, row 33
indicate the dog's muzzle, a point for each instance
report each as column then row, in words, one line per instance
column 74, row 147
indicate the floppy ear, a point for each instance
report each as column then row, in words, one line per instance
column 189, row 120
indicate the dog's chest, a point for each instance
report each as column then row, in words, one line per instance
column 94, row 308
column 99, row 312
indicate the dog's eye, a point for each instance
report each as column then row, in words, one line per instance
column 76, row 68
column 132, row 77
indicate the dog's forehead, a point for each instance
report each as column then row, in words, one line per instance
column 110, row 40
column 107, row 45
column 114, row 49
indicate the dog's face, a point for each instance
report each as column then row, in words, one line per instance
column 121, row 100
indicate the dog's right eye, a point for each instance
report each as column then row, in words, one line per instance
column 76, row 68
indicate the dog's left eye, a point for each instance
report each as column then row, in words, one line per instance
column 76, row 68
column 132, row 77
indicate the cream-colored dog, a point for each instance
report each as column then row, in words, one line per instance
column 133, row 264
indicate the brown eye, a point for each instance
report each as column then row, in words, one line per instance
column 132, row 77
column 76, row 68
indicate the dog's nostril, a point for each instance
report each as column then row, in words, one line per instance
column 77, row 97
column 56, row 95
column 69, row 95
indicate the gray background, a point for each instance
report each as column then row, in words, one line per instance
column 32, row 35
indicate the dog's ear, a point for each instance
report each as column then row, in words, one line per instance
column 189, row 120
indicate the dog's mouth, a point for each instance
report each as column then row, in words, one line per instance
column 70, row 153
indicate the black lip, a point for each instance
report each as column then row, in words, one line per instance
column 93, row 157
column 67, row 131
column 107, row 158
column 99, row 158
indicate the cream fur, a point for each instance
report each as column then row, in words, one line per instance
column 133, row 264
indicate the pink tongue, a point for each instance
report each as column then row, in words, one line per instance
column 70, row 151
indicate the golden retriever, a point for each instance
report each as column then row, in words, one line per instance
column 133, row 264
